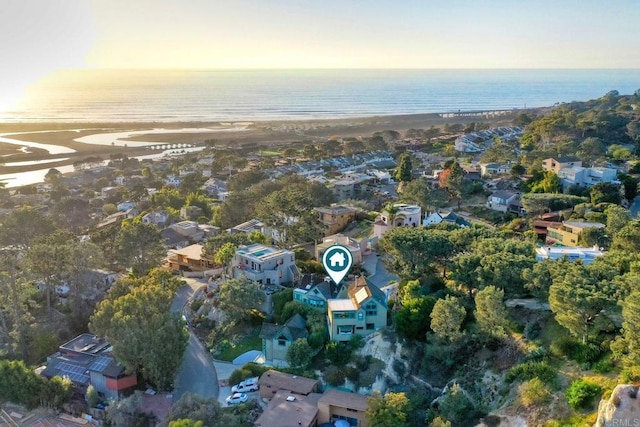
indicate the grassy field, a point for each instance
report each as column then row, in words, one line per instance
column 231, row 351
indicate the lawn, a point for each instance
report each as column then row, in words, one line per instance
column 229, row 351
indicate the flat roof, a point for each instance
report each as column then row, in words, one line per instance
column 344, row 399
column 585, row 224
column 341, row 305
column 261, row 252
column 546, row 250
column 290, row 410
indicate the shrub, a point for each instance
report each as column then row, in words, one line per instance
column 531, row 370
column 334, row 376
column 338, row 354
column 580, row 394
column 576, row 351
column 533, row 393
column 604, row 366
column 352, row 374
column 91, row 396
column 247, row 371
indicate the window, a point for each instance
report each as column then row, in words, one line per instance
column 282, row 341
column 345, row 330
column 344, row 315
column 360, row 315
column 370, row 326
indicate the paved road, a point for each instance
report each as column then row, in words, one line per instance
column 197, row 374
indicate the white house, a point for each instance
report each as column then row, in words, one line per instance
column 587, row 255
column 400, row 215
column 158, row 217
column 495, row 168
column 450, row 217
column 501, row 200
column 265, row 264
column 173, row 181
column 587, row 177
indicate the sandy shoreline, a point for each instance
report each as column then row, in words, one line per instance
column 238, row 133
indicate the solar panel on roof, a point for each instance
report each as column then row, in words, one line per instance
column 100, row 364
column 361, row 295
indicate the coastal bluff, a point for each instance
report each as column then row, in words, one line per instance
column 621, row 409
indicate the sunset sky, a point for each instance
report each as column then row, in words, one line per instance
column 39, row 37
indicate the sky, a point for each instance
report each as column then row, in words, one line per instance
column 38, row 37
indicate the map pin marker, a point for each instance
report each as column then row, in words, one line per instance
column 337, row 260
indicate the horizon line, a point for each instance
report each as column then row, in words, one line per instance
column 348, row 68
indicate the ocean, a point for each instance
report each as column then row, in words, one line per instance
column 201, row 95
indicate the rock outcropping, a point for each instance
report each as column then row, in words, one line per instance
column 622, row 408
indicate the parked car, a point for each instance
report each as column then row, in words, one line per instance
column 237, row 398
column 246, row 386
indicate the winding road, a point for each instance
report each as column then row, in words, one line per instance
column 197, row 374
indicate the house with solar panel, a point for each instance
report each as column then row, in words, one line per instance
column 360, row 309
column 85, row 360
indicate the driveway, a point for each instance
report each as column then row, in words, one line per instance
column 379, row 277
column 197, row 373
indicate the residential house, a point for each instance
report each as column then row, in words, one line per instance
column 117, row 217
column 189, row 259
column 272, row 381
column 173, row 181
column 492, row 169
column 157, row 217
column 587, row 255
column 541, row 228
column 314, row 291
column 286, row 409
column 337, row 405
column 125, row 206
column 265, row 264
column 363, row 311
column 172, row 239
column 108, row 192
column 449, row 217
column 503, row 201
column 354, row 246
column 554, row 164
column 587, row 177
column 248, row 227
column 88, row 360
column 189, row 230
column 335, row 218
column 276, row 339
column 399, row 215
column 568, row 233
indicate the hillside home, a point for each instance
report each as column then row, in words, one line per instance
column 363, row 311
column 337, row 405
column 189, row 229
column 556, row 163
column 286, row 409
column 189, row 259
column 88, row 360
column 503, row 201
column 265, row 264
column 399, row 215
column 157, row 217
column 314, row 291
column 355, row 247
column 449, row 217
column 276, row 339
column 587, row 177
column 568, row 233
column 587, row 255
column 335, row 218
column 492, row 169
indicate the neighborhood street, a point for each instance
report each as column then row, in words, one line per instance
column 197, row 374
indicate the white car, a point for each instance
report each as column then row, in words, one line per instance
column 237, row 398
column 248, row 385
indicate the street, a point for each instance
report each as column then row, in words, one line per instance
column 197, row 374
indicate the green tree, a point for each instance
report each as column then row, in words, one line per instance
column 186, row 423
column 413, row 252
column 627, row 239
column 245, row 179
column 299, row 354
column 123, row 412
column 404, row 172
column 491, row 313
column 456, row 406
column 139, row 246
column 419, row 192
column 225, row 254
column 579, row 304
column 550, row 183
column 240, row 297
column 605, row 192
column 629, row 186
column 389, row 410
column 154, row 346
column 91, row 396
column 447, row 317
column 581, row 394
column 617, row 218
column 631, row 328
column 196, row 408
column 412, row 318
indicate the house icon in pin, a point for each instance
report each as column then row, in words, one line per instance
column 337, row 260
